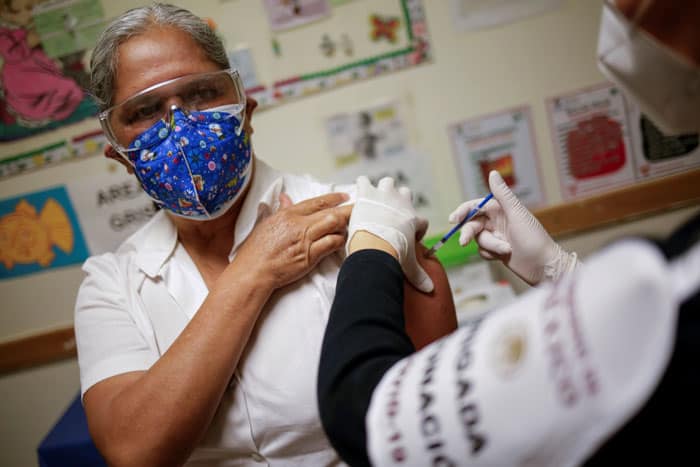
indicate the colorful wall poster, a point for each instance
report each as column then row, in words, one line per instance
column 39, row 231
column 42, row 75
column 502, row 141
column 469, row 15
column 657, row 154
column 373, row 141
column 35, row 159
column 286, row 14
column 371, row 134
column 592, row 143
column 68, row 26
column 83, row 145
column 111, row 206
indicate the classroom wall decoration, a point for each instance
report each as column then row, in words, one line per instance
column 39, row 231
column 374, row 141
column 111, row 206
column 316, row 45
column 502, row 141
column 657, row 154
column 82, row 145
column 287, row 14
column 43, row 76
column 591, row 138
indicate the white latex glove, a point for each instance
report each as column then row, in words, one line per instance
column 388, row 213
column 504, row 229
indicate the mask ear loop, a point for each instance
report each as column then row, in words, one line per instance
column 241, row 92
column 242, row 116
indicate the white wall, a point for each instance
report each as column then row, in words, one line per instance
column 472, row 73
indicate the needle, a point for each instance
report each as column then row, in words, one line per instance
column 454, row 229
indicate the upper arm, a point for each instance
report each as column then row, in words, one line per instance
column 429, row 316
column 108, row 339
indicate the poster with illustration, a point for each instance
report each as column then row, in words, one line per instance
column 502, row 141
column 372, row 134
column 39, row 231
column 43, row 75
column 592, row 143
column 657, row 154
column 286, row 14
column 373, row 141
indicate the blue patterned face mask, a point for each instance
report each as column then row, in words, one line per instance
column 197, row 164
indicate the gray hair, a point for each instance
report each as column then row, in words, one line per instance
column 103, row 63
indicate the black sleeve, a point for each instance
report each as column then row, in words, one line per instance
column 365, row 336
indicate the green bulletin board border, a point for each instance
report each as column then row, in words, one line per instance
column 417, row 53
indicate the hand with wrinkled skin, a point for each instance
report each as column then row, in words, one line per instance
column 286, row 245
column 196, row 369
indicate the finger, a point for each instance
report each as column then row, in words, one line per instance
column 344, row 212
column 421, row 228
column 486, row 255
column 285, row 200
column 386, row 184
column 502, row 193
column 319, row 203
column 406, row 193
column 490, row 242
column 420, row 279
column 462, row 210
column 325, row 246
column 363, row 184
column 325, row 223
column 470, row 230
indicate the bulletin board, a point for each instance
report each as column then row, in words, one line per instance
column 293, row 53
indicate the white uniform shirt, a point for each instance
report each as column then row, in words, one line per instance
column 134, row 303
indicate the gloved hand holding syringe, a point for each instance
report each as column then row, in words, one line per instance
column 454, row 229
column 506, row 230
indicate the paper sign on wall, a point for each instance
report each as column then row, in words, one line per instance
column 476, row 14
column 39, row 231
column 285, row 14
column 592, row 143
column 111, row 207
column 374, row 142
column 501, row 141
column 657, row 154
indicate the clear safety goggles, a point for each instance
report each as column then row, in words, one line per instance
column 124, row 122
